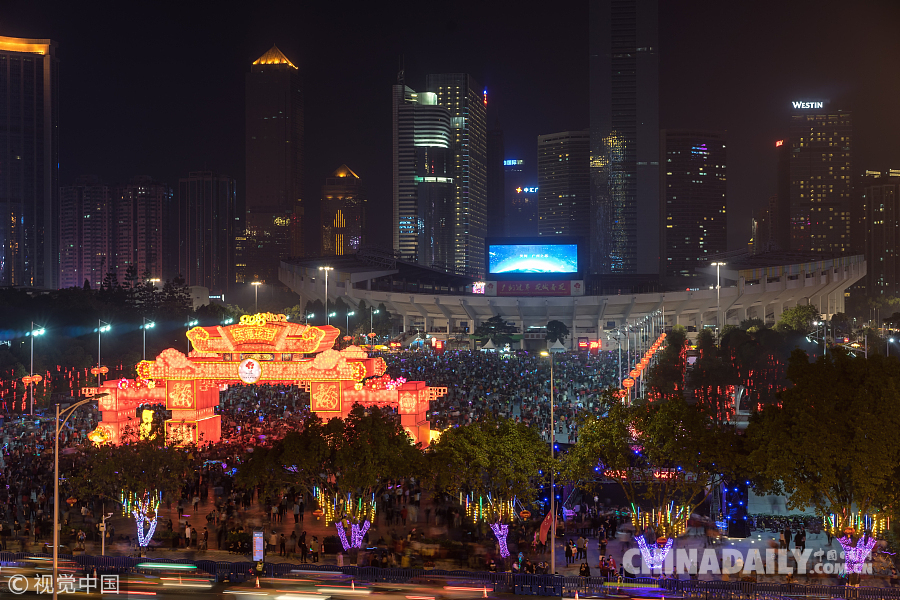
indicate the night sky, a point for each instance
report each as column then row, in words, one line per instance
column 159, row 90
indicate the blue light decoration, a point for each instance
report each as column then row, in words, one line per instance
column 357, row 534
column 144, row 509
column 533, row 258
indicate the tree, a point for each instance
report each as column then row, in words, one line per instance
column 666, row 378
column 752, row 325
column 495, row 329
column 143, row 471
column 798, row 319
column 831, row 444
column 557, row 331
column 87, row 285
column 710, row 378
column 657, row 453
column 493, row 463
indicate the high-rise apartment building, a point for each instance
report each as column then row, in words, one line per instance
column 274, row 143
column 110, row 229
column 496, row 186
column 692, row 200
column 624, row 105
column 207, row 207
column 882, row 241
column 424, row 194
column 466, row 101
column 84, row 215
column 29, row 163
column 136, row 231
column 564, row 184
column 343, row 213
column 821, row 178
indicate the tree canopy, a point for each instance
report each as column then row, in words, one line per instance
column 557, row 331
column 831, row 444
column 499, row 460
column 496, row 328
column 798, row 319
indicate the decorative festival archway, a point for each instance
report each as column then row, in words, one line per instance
column 263, row 348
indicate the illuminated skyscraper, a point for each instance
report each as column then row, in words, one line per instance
column 467, row 103
column 137, row 227
column 692, row 200
column 423, row 190
column 343, row 213
column 84, row 232
column 821, row 186
column 564, row 184
column 882, row 241
column 521, row 200
column 624, row 87
column 274, row 142
column 29, row 163
column 207, row 206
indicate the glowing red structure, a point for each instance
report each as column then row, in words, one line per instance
column 265, row 349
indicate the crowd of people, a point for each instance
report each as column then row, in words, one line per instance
column 479, row 384
column 515, row 385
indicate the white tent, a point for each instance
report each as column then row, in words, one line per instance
column 556, row 347
column 489, row 346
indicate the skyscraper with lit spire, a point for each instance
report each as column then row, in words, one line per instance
column 274, row 143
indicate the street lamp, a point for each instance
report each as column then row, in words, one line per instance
column 332, row 314
column 372, row 314
column 717, row 265
column 349, row 314
column 68, row 413
column 191, row 323
column 327, row 314
column 888, row 345
column 146, row 325
column 309, row 316
column 101, row 327
column 256, row 285
column 228, row 321
column 552, row 481
column 33, row 333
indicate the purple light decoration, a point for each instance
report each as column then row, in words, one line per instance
column 342, row 535
column 500, row 531
column 855, row 556
column 144, row 506
column 357, row 534
column 655, row 559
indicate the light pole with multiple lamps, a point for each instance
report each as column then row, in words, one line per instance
column 718, row 265
column 307, row 317
column 145, row 326
column 102, row 326
column 33, row 333
column 350, row 313
column 372, row 314
column 552, row 479
column 68, row 413
column 256, row 285
column 327, row 314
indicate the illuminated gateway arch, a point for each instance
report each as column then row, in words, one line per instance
column 261, row 349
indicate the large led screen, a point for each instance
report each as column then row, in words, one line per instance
column 532, row 258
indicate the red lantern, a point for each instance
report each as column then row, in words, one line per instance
column 634, row 373
column 27, row 380
column 95, row 371
column 347, row 338
column 525, row 514
column 37, row 379
column 628, row 383
column 645, row 361
column 104, row 370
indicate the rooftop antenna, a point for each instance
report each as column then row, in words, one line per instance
column 400, row 74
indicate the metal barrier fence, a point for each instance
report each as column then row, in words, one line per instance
column 515, row 583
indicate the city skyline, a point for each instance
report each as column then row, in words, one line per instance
column 751, row 99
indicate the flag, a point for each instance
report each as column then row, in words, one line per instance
column 545, row 527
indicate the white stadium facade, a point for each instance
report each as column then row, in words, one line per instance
column 758, row 286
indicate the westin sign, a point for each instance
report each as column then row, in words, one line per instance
column 808, row 104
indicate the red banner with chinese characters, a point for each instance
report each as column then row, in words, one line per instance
column 534, row 288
